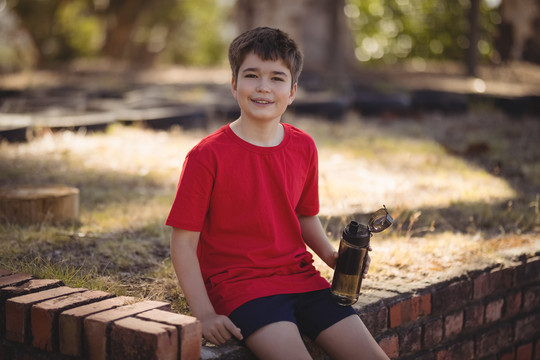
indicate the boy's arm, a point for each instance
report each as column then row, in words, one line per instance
column 216, row 328
column 315, row 237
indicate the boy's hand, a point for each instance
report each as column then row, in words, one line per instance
column 335, row 256
column 332, row 262
column 368, row 261
column 218, row 329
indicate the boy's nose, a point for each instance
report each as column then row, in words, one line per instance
column 262, row 86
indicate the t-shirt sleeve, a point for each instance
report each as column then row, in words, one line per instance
column 192, row 197
column 309, row 200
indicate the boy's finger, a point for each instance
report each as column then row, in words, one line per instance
column 234, row 330
column 366, row 268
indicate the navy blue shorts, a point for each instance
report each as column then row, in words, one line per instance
column 312, row 312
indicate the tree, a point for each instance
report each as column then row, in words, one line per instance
column 135, row 31
column 122, row 17
column 472, row 54
column 37, row 17
column 320, row 28
column 519, row 32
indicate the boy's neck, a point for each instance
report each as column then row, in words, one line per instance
column 265, row 134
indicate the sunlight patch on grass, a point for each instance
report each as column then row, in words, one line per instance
column 433, row 254
column 353, row 184
column 365, row 163
column 121, row 215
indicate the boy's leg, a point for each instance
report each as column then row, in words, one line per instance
column 279, row 340
column 349, row 339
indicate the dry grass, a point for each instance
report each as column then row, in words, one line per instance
column 462, row 189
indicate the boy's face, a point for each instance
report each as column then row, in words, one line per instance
column 263, row 89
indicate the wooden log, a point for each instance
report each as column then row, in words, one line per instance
column 39, row 204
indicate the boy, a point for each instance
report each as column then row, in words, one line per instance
column 245, row 208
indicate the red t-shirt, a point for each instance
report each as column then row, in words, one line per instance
column 244, row 200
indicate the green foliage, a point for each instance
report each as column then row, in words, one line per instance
column 179, row 31
column 390, row 30
column 198, row 39
column 80, row 28
column 183, row 31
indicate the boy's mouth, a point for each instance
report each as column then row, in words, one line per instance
column 262, row 101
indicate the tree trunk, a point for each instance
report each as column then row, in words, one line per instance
column 123, row 16
column 319, row 27
column 35, row 205
column 519, row 35
column 474, row 31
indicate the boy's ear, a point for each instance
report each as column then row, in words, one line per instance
column 233, row 86
column 292, row 95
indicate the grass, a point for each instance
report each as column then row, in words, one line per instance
column 462, row 190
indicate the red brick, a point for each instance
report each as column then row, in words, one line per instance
column 137, row 339
column 462, row 351
column 527, row 328
column 425, row 304
column 189, row 331
column 474, row 316
column 531, row 298
column 494, row 310
column 44, row 316
column 410, row 341
column 396, row 314
column 71, row 324
column 4, row 272
column 508, row 356
column 390, row 345
column 524, row 352
column 451, row 297
column 496, row 338
column 414, row 309
column 433, row 333
column 453, row 324
column 25, row 288
column 528, row 272
column 95, row 326
column 500, row 280
column 18, row 311
column 14, row 279
column 376, row 320
column 512, row 304
column 408, row 310
column 29, row 287
column 481, row 286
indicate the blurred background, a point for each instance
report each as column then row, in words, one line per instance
column 339, row 35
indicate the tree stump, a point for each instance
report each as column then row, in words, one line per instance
column 39, row 204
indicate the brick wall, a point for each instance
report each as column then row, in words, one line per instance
column 491, row 314
column 487, row 314
column 44, row 320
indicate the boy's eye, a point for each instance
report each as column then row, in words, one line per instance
column 277, row 78
column 250, row 76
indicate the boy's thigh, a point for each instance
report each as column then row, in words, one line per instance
column 279, row 340
column 350, row 339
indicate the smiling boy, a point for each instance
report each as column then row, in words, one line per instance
column 245, row 208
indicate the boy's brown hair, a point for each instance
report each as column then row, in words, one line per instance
column 268, row 44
